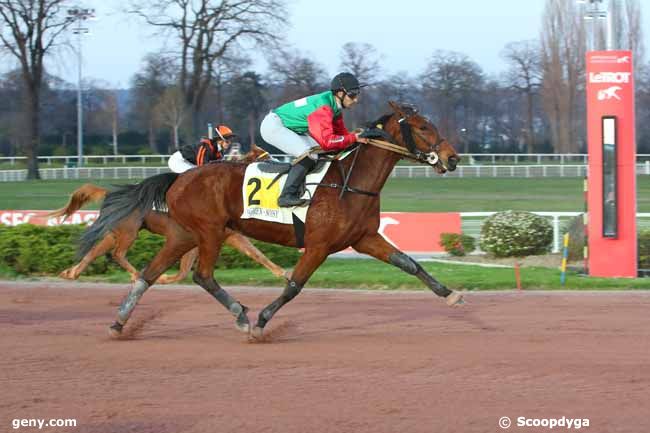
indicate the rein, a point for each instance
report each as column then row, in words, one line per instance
column 412, row 153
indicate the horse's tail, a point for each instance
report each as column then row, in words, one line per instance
column 123, row 202
column 81, row 196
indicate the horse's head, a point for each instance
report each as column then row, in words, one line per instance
column 421, row 138
column 255, row 154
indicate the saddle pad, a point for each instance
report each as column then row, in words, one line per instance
column 261, row 198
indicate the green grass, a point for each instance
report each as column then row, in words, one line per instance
column 44, row 194
column 407, row 195
column 414, row 195
column 371, row 274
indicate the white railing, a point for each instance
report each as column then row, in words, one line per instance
column 468, row 159
column 412, row 171
column 401, row 171
column 85, row 173
column 101, row 159
column 472, row 222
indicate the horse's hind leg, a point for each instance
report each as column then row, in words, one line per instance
column 176, row 244
column 186, row 265
column 376, row 246
column 123, row 243
column 308, row 263
column 211, row 240
column 101, row 248
column 244, row 245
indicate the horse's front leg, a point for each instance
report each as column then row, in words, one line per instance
column 311, row 259
column 376, row 246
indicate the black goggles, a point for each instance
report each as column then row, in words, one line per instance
column 354, row 93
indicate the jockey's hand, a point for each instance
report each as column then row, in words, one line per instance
column 360, row 139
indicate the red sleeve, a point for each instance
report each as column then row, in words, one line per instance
column 339, row 126
column 322, row 128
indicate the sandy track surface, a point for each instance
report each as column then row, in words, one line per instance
column 336, row 361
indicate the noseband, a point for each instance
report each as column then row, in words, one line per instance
column 419, row 156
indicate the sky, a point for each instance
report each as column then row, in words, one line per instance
column 405, row 33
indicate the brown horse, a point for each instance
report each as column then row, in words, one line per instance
column 203, row 209
column 119, row 239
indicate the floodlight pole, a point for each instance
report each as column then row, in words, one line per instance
column 79, row 15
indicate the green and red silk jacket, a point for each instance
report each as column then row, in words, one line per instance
column 320, row 116
column 203, row 152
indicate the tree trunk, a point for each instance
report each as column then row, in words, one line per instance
column 252, row 123
column 115, row 135
column 151, row 136
column 33, row 133
column 530, row 139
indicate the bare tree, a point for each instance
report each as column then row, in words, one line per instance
column 246, row 102
column 30, row 30
column 170, row 111
column 205, row 31
column 453, row 83
column 297, row 74
column 642, row 97
column 112, row 106
column 364, row 62
column 563, row 67
column 627, row 30
column 524, row 75
column 148, row 87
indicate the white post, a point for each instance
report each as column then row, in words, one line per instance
column 556, row 234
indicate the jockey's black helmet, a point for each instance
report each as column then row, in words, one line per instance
column 347, row 82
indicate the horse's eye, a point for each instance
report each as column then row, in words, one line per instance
column 423, row 128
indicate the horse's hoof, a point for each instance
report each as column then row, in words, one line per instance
column 257, row 333
column 245, row 328
column 242, row 323
column 115, row 330
column 66, row 275
column 454, row 299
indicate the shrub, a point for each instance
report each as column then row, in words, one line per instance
column 516, row 233
column 644, row 249
column 457, row 244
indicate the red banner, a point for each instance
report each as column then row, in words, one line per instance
column 408, row 231
column 40, row 218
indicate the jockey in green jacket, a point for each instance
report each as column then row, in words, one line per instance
column 315, row 120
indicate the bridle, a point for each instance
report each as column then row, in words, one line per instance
column 412, row 152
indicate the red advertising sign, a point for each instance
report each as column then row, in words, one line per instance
column 611, row 193
column 410, row 232
column 40, row 218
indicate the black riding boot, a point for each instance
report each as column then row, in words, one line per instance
column 290, row 195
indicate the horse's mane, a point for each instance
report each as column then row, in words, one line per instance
column 381, row 121
column 408, row 109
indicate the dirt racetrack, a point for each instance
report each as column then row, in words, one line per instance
column 337, row 361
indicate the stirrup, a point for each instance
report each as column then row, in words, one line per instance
column 292, row 201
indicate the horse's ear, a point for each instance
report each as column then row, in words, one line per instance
column 396, row 108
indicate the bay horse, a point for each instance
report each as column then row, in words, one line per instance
column 343, row 213
column 121, row 237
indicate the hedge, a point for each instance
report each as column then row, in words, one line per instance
column 29, row 249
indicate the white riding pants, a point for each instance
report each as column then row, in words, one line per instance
column 278, row 135
column 178, row 164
